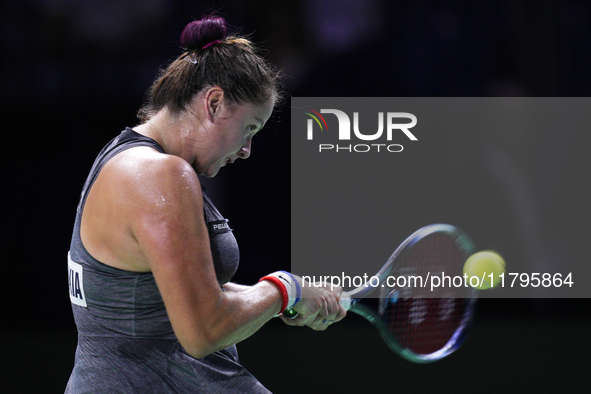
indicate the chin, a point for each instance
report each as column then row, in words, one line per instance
column 211, row 174
column 206, row 172
column 211, row 170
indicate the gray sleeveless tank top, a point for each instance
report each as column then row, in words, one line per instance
column 125, row 340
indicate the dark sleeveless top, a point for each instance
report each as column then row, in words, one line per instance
column 126, row 343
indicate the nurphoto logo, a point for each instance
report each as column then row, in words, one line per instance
column 381, row 142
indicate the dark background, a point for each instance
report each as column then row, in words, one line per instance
column 74, row 75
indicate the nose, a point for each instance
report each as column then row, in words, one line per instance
column 244, row 152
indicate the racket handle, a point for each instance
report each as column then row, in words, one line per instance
column 346, row 303
column 291, row 313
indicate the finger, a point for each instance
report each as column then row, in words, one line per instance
column 337, row 291
column 297, row 321
column 340, row 314
column 336, row 313
column 320, row 324
column 307, row 319
column 333, row 308
column 289, row 322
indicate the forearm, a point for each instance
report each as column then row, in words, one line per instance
column 241, row 311
column 235, row 287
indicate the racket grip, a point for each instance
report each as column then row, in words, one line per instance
column 291, row 313
column 346, row 303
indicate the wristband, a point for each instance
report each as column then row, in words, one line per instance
column 291, row 291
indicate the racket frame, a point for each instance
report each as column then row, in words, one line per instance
column 349, row 299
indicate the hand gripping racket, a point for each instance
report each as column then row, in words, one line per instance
column 418, row 322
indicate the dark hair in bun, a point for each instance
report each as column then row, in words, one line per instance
column 212, row 58
column 198, row 34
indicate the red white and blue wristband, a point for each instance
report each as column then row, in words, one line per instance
column 291, row 291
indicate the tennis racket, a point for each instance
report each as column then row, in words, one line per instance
column 420, row 323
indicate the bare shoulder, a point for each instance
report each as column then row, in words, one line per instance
column 139, row 194
column 158, row 190
column 149, row 174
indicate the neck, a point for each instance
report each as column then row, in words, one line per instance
column 177, row 136
column 162, row 137
column 164, row 130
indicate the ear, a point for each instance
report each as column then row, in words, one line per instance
column 214, row 101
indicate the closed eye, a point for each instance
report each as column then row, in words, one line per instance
column 252, row 130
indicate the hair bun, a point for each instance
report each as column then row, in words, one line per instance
column 199, row 33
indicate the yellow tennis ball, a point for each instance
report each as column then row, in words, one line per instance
column 481, row 265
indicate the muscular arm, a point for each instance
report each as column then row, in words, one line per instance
column 171, row 232
column 235, row 287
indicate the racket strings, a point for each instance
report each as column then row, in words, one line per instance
column 420, row 324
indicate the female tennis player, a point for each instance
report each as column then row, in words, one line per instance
column 151, row 258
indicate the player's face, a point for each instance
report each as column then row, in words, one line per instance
column 231, row 138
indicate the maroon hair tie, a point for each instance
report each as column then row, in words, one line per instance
column 211, row 43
